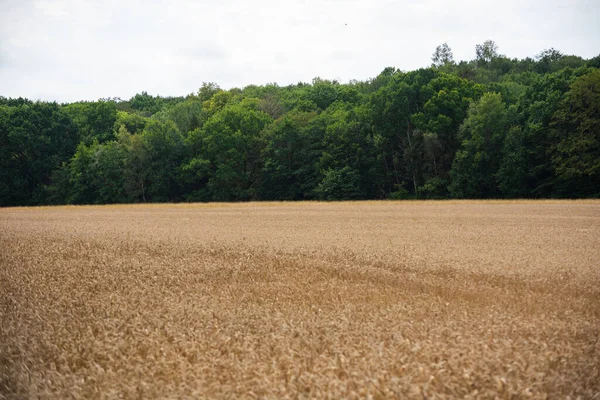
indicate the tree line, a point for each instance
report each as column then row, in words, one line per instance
column 491, row 127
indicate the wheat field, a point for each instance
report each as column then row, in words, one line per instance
column 301, row 300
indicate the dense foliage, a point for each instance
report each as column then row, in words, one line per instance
column 487, row 128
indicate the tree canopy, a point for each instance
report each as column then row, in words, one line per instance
column 489, row 127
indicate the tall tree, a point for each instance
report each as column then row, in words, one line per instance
column 442, row 115
column 476, row 163
column 95, row 120
column 96, row 174
column 231, row 142
column 208, row 90
column 146, row 104
column 349, row 150
column 164, row 148
column 392, row 108
column 536, row 108
column 512, row 173
column 486, row 52
column 35, row 139
column 290, row 158
column 575, row 130
column 187, row 115
column 442, row 56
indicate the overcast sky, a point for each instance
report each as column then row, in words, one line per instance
column 68, row 50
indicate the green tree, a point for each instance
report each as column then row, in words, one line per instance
column 536, row 108
column 290, row 158
column 231, row 142
column 95, row 120
column 392, row 109
column 449, row 98
column 218, row 101
column 146, row 104
column 35, row 139
column 323, row 93
column 442, row 56
column 187, row 115
column 96, row 174
column 476, row 163
column 163, row 150
column 575, row 131
column 136, row 166
column 208, row 90
column 512, row 173
column 340, row 184
column 83, row 189
column 486, row 52
column 133, row 123
column 348, row 141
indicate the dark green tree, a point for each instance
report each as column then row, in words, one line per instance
column 340, row 184
column 35, row 139
column 163, row 148
column 391, row 109
column 486, row 52
column 575, row 132
column 95, row 120
column 476, row 163
column 146, row 104
column 512, row 172
column 231, row 142
column 536, row 108
column 290, row 158
column 348, row 141
column 442, row 56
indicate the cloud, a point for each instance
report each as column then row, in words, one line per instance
column 68, row 50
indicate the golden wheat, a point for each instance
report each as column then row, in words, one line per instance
column 301, row 300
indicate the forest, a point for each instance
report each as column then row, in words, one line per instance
column 490, row 127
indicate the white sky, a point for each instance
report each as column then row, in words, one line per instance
column 68, row 50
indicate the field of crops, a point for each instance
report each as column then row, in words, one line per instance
column 301, row 300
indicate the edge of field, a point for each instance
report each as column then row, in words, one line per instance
column 251, row 204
